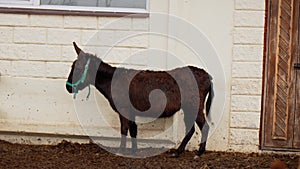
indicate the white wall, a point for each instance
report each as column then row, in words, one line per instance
column 247, row 75
column 36, row 53
column 214, row 20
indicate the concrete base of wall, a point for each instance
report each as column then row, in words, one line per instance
column 53, row 139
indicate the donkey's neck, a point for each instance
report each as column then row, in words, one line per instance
column 105, row 70
column 104, row 77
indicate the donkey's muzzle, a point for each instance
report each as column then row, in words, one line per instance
column 69, row 88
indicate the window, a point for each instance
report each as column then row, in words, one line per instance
column 92, row 6
column 16, row 2
column 98, row 3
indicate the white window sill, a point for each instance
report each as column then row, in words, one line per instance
column 73, row 10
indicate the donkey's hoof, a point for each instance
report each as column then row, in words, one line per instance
column 133, row 151
column 196, row 157
column 175, row 154
column 121, row 151
column 171, row 151
column 200, row 152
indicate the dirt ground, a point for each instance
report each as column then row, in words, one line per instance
column 73, row 155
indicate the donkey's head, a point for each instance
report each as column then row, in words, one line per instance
column 82, row 72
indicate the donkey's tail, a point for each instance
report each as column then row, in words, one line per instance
column 210, row 97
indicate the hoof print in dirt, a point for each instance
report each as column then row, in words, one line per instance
column 196, row 157
column 205, row 166
column 278, row 164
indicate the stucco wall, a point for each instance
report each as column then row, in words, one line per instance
column 36, row 53
column 246, row 89
column 214, row 20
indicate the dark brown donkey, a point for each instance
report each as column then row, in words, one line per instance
column 134, row 93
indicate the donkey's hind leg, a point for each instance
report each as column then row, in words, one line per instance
column 189, row 131
column 184, row 142
column 204, row 127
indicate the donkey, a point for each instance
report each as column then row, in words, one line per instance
column 129, row 93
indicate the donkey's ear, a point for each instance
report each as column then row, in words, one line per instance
column 77, row 49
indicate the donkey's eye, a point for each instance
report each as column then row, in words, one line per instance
column 77, row 70
column 79, row 66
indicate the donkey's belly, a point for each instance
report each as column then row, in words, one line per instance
column 157, row 112
column 156, row 105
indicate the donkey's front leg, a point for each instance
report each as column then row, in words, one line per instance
column 124, row 131
column 133, row 133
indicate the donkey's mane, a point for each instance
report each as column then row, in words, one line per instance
column 107, row 69
column 103, row 67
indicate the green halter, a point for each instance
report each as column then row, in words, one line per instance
column 81, row 80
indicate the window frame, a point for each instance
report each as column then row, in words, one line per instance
column 34, row 7
column 19, row 2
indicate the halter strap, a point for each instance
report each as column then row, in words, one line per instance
column 81, row 80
